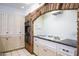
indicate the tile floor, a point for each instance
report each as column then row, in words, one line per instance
column 21, row 52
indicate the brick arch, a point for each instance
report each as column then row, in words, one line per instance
column 48, row 7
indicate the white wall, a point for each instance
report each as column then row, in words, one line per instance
column 38, row 26
column 63, row 25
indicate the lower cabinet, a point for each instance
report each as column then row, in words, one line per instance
column 42, row 50
column 60, row 54
column 51, row 52
column 22, row 41
column 46, row 51
column 47, row 48
column 11, row 43
column 65, row 50
column 36, row 49
column 3, row 44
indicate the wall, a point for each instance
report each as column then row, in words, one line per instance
column 63, row 25
column 39, row 26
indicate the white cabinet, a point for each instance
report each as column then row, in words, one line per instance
column 22, row 41
column 36, row 46
column 66, row 50
column 11, row 23
column 3, row 24
column 3, row 44
column 0, row 24
column 36, row 49
column 47, row 48
column 46, row 51
column 41, row 48
column 11, row 43
column 11, row 31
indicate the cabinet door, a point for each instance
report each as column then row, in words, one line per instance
column 17, row 24
column 0, row 23
column 36, row 49
column 22, row 25
column 22, row 43
column 46, row 51
column 11, row 24
column 3, row 44
column 50, row 52
column 13, row 43
column 60, row 54
column 42, row 50
column 4, row 23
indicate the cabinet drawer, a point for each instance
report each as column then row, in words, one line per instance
column 50, row 51
column 60, row 54
column 46, row 51
column 48, row 43
column 42, row 51
column 45, row 42
column 66, row 49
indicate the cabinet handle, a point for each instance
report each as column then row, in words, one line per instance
column 65, row 50
column 6, row 38
column 7, row 32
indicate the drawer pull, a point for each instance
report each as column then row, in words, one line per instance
column 7, row 32
column 6, row 38
column 65, row 50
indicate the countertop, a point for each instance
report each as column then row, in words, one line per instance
column 68, row 42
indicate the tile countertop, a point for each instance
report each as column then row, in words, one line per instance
column 68, row 42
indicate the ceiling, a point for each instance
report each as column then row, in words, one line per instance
column 20, row 6
column 23, row 8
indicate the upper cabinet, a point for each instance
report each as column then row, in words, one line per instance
column 11, row 23
column 3, row 24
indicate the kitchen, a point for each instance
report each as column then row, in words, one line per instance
column 51, row 29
